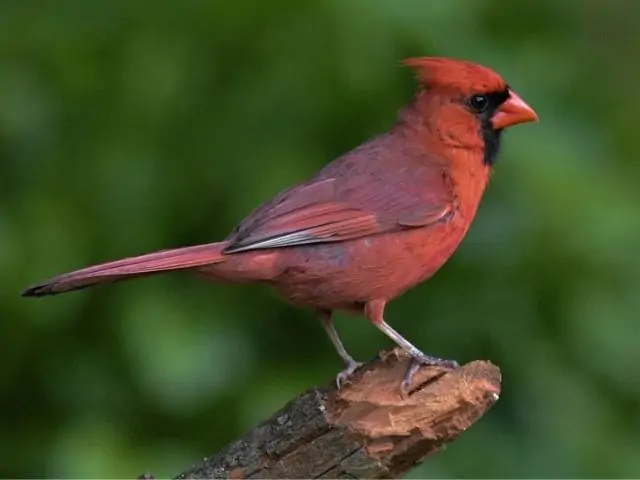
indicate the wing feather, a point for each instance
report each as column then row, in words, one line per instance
column 344, row 207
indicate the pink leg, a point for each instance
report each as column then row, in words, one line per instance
column 351, row 364
column 374, row 310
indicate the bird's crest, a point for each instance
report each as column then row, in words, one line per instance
column 467, row 77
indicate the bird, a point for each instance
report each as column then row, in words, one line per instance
column 370, row 225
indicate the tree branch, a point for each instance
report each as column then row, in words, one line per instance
column 364, row 430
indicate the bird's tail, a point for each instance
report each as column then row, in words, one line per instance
column 127, row 268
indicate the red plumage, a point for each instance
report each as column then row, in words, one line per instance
column 372, row 224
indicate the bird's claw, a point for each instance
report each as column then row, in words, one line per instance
column 426, row 360
column 419, row 360
column 345, row 374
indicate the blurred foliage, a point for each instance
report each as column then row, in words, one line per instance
column 127, row 127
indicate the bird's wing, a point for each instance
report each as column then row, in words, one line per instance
column 347, row 207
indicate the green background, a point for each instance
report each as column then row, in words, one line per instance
column 127, row 127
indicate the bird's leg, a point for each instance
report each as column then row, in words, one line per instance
column 351, row 365
column 374, row 310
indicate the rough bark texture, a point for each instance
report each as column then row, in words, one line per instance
column 364, row 430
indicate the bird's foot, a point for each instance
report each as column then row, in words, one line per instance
column 427, row 360
column 345, row 374
column 419, row 359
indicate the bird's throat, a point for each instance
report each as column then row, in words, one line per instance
column 491, row 139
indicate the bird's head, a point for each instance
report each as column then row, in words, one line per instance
column 467, row 104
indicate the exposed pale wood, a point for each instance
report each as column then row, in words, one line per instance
column 364, row 430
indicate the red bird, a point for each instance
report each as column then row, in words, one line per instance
column 370, row 225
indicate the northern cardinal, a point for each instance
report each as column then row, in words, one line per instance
column 370, row 225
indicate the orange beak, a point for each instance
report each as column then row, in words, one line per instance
column 512, row 112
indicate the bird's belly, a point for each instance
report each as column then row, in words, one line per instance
column 345, row 275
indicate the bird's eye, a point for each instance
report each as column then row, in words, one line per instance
column 479, row 103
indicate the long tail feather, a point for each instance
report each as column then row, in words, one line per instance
column 127, row 268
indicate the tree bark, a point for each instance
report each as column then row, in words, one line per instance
column 364, row 430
